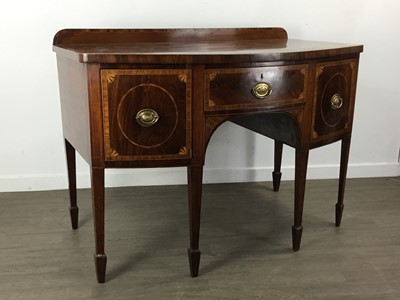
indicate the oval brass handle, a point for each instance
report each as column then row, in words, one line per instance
column 261, row 90
column 336, row 101
column 147, row 117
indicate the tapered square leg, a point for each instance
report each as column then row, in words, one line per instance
column 194, row 262
column 71, row 168
column 100, row 262
column 195, row 181
column 276, row 174
column 344, row 159
column 296, row 237
column 299, row 190
column 97, row 175
column 74, row 216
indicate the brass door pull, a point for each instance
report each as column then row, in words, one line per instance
column 336, row 101
column 261, row 90
column 147, row 117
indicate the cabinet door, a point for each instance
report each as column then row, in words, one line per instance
column 334, row 96
column 146, row 114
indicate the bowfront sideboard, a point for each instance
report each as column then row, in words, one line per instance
column 138, row 98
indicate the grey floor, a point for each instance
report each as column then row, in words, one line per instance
column 245, row 243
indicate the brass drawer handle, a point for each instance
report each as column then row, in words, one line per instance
column 261, row 90
column 147, row 117
column 336, row 101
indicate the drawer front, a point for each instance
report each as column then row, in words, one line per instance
column 243, row 88
column 146, row 114
column 334, row 98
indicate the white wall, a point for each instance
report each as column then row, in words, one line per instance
column 31, row 144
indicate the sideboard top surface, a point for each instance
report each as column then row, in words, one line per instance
column 229, row 45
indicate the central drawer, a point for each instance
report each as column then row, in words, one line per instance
column 146, row 114
column 246, row 88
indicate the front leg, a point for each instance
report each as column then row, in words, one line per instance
column 71, row 169
column 342, row 179
column 195, row 182
column 277, row 174
column 299, row 191
column 100, row 257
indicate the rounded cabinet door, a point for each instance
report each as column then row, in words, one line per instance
column 334, row 98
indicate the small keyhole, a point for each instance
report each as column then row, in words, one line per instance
column 147, row 79
column 262, row 76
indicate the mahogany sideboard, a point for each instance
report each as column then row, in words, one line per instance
column 138, row 98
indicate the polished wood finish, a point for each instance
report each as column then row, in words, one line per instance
column 167, row 93
column 188, row 82
column 192, row 46
column 333, row 78
column 228, row 89
column 169, row 37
